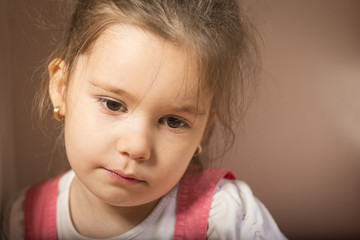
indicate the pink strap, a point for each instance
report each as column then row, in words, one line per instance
column 40, row 211
column 194, row 201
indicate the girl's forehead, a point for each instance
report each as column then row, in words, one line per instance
column 142, row 64
column 124, row 44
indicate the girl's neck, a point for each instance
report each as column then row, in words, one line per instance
column 94, row 218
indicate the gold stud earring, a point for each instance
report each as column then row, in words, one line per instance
column 57, row 115
column 198, row 151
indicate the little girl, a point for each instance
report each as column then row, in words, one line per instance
column 138, row 86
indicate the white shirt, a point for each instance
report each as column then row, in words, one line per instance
column 234, row 214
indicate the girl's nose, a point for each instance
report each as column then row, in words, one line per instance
column 135, row 141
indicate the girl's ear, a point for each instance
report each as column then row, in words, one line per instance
column 212, row 117
column 57, row 85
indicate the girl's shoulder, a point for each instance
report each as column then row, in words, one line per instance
column 13, row 225
column 237, row 214
column 13, row 218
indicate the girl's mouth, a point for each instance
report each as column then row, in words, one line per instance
column 122, row 178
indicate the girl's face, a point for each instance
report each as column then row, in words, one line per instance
column 133, row 117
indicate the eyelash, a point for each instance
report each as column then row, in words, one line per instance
column 106, row 101
column 181, row 121
column 184, row 124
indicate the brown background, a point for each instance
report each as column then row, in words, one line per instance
column 300, row 146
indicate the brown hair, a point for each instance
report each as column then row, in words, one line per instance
column 216, row 32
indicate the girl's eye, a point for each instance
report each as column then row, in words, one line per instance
column 112, row 105
column 173, row 122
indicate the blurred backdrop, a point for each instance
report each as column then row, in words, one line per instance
column 299, row 148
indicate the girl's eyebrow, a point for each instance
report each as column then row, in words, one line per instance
column 190, row 110
column 110, row 88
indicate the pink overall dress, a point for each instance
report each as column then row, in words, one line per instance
column 194, row 198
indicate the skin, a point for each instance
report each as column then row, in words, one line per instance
column 130, row 109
